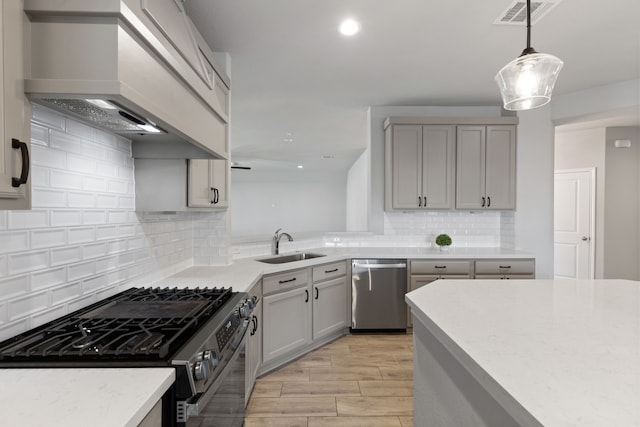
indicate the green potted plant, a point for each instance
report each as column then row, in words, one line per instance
column 443, row 241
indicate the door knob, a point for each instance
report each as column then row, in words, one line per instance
column 585, row 238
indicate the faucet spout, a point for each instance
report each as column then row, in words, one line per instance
column 275, row 242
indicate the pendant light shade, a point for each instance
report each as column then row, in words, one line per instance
column 527, row 81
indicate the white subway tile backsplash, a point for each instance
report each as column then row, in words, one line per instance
column 65, row 293
column 83, row 240
column 14, row 286
column 66, row 255
column 14, row 241
column 27, row 219
column 39, row 135
column 48, row 237
column 31, row 304
column 66, row 217
column 48, row 278
column 25, row 262
column 81, row 270
column 49, row 198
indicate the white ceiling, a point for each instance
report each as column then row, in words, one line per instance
column 294, row 77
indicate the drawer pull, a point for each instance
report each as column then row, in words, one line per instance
column 330, row 271
column 504, row 266
column 440, row 266
column 287, row 281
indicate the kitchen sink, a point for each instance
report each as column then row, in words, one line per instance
column 281, row 259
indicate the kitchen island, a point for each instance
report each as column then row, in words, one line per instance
column 527, row 353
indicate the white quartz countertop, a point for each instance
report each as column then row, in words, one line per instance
column 245, row 272
column 568, row 351
column 80, row 397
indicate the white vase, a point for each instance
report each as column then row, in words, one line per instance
column 444, row 248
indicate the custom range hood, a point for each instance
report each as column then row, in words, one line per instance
column 137, row 68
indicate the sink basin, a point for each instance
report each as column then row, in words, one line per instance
column 281, row 259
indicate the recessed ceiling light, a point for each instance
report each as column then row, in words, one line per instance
column 300, row 166
column 349, row 27
column 328, row 157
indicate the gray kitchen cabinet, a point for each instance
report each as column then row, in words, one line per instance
column 423, row 272
column 505, row 269
column 287, row 314
column 486, row 167
column 254, row 342
column 329, row 299
column 422, row 166
column 15, row 123
column 208, row 183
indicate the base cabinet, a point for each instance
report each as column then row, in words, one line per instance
column 506, row 269
column 254, row 343
column 329, row 300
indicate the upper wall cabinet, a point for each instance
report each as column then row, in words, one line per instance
column 486, row 174
column 15, row 123
column 446, row 163
column 208, row 183
column 422, row 164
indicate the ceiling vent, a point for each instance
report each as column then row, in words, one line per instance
column 516, row 12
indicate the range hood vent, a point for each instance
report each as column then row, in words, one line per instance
column 118, row 65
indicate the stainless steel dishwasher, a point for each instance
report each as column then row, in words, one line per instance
column 378, row 287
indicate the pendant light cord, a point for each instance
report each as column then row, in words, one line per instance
column 528, row 50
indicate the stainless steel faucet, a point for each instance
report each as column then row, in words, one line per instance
column 275, row 242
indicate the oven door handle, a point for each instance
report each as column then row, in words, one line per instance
column 193, row 406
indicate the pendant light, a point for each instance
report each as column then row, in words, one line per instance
column 527, row 81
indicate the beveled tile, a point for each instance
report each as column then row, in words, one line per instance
column 320, row 388
column 397, row 373
column 386, row 388
column 292, row 406
column 276, row 422
column 267, row 389
column 354, row 422
column 354, row 406
column 339, row 373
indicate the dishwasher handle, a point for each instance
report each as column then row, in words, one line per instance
column 379, row 266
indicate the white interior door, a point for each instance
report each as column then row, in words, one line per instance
column 574, row 219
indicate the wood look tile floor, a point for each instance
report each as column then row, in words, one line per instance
column 355, row 381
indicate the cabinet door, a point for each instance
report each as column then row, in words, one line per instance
column 254, row 350
column 15, row 123
column 470, row 167
column 329, row 307
column 437, row 166
column 287, row 323
column 406, row 166
column 501, row 167
column 207, row 184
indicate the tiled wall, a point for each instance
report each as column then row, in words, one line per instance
column 83, row 240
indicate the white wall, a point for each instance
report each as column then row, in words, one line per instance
column 357, row 195
column 308, row 201
column 585, row 148
column 83, row 241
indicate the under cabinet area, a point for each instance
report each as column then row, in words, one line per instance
column 15, row 112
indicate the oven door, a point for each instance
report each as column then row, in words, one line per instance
column 223, row 403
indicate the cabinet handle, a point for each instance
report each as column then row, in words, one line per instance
column 24, row 151
column 330, row 271
column 488, row 201
column 317, row 293
column 253, row 322
column 483, row 200
column 424, row 201
column 287, row 281
column 306, row 291
column 216, row 195
column 419, row 201
column 504, row 266
column 439, row 266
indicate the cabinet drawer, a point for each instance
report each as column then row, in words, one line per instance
column 284, row 281
column 329, row 271
column 440, row 267
column 503, row 267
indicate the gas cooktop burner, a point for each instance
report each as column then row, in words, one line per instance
column 138, row 324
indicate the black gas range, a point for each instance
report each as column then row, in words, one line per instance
column 198, row 331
